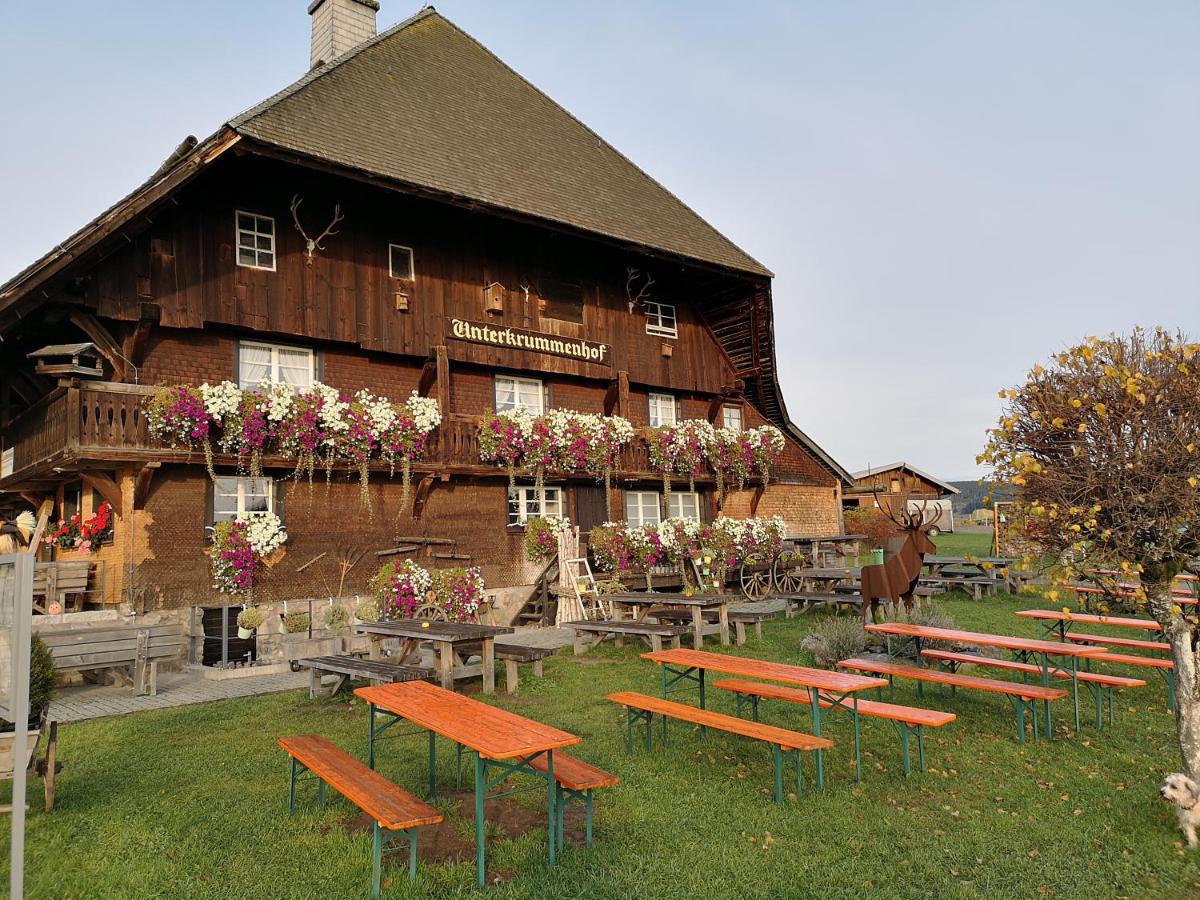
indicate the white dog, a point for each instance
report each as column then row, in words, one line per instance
column 1185, row 794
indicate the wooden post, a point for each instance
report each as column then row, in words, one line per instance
column 489, row 665
column 445, row 654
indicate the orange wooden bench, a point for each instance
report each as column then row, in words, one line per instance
column 1106, row 641
column 575, row 780
column 1100, row 684
column 393, row 808
column 642, row 707
column 1023, row 696
column 908, row 720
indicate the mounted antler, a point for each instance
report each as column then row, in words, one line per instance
column 631, row 278
column 314, row 244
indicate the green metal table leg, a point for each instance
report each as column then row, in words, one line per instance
column 480, row 787
column 857, row 745
column 376, row 863
column 412, row 852
column 587, row 804
column 371, row 736
column 904, row 748
column 432, row 765
column 1110, row 706
column 778, row 755
column 1074, row 692
column 799, row 773
column 814, row 700
column 551, row 796
column 292, row 789
column 629, row 731
column 560, row 805
column 921, row 748
column 1019, row 705
column 649, row 731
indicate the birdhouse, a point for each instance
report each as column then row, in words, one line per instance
column 401, row 298
column 667, row 349
column 69, row 359
column 493, row 297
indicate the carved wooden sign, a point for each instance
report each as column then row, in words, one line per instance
column 520, row 339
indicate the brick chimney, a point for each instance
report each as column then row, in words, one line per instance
column 338, row 26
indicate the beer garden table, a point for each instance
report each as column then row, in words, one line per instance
column 497, row 739
column 698, row 603
column 1022, row 649
column 839, row 689
column 446, row 638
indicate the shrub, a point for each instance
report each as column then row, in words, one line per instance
column 296, row 622
column 41, row 677
column 930, row 615
column 871, row 522
column 250, row 618
column 337, row 618
column 835, row 639
column 367, row 611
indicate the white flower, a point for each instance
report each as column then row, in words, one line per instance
column 264, row 532
column 280, row 397
column 221, row 400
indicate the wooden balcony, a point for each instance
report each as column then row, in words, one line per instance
column 102, row 424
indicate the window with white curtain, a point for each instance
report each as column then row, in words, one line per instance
column 275, row 362
column 525, row 503
column 662, row 410
column 732, row 416
column 235, row 496
column 684, row 505
column 643, row 507
column 520, row 393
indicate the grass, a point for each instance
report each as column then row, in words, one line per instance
column 191, row 802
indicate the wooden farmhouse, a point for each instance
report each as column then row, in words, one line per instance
column 893, row 485
column 483, row 248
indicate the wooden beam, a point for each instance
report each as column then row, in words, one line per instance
column 421, row 495
column 714, row 409
column 611, row 398
column 443, row 379
column 134, row 345
column 142, row 482
column 104, row 341
column 623, row 394
column 755, row 497
column 34, row 499
column 105, row 486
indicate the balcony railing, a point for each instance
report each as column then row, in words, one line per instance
column 103, row 421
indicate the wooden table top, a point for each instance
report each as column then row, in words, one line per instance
column 493, row 732
column 831, row 572
column 962, row 560
column 1055, row 615
column 449, row 632
column 671, row 599
column 982, row 639
column 829, row 539
column 801, row 676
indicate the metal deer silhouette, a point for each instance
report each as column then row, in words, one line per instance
column 895, row 579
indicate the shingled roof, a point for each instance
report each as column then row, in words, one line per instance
column 425, row 104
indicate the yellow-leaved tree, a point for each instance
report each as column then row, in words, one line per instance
column 1101, row 448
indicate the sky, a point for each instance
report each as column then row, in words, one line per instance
column 947, row 192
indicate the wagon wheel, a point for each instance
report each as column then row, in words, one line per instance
column 432, row 612
column 755, row 579
column 786, row 572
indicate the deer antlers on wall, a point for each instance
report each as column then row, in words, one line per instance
column 632, row 276
column 314, row 244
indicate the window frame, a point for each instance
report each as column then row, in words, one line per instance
column 521, row 494
column 518, row 380
column 726, row 408
column 650, row 404
column 654, row 319
column 238, row 231
column 273, row 366
column 694, row 495
column 641, row 518
column 240, row 482
column 412, row 262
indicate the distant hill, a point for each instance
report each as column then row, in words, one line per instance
column 971, row 495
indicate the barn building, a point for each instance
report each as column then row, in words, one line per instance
column 894, row 485
column 471, row 210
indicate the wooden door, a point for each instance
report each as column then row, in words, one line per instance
column 590, row 508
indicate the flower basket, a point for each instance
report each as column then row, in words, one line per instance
column 273, row 558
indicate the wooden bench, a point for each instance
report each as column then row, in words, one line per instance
column 345, row 667
column 654, row 633
column 1023, row 696
column 909, row 720
column 136, row 648
column 1107, row 641
column 739, row 618
column 392, row 808
column 66, row 582
column 641, row 707
column 1100, row 684
column 802, row 602
column 513, row 655
column 978, row 586
column 574, row 780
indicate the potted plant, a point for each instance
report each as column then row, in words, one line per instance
column 249, row 620
column 295, row 622
column 367, row 611
column 337, row 618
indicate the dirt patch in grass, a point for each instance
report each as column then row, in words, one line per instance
column 454, row 839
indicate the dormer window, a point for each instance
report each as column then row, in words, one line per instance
column 660, row 319
column 400, row 262
column 255, row 241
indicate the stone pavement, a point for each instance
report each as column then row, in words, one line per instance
column 76, row 704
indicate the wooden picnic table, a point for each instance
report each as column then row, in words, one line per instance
column 1059, row 622
column 698, row 603
column 839, row 689
column 447, row 639
column 812, row 545
column 1022, row 649
column 816, row 578
column 493, row 735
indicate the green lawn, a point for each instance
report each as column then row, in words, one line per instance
column 192, row 803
